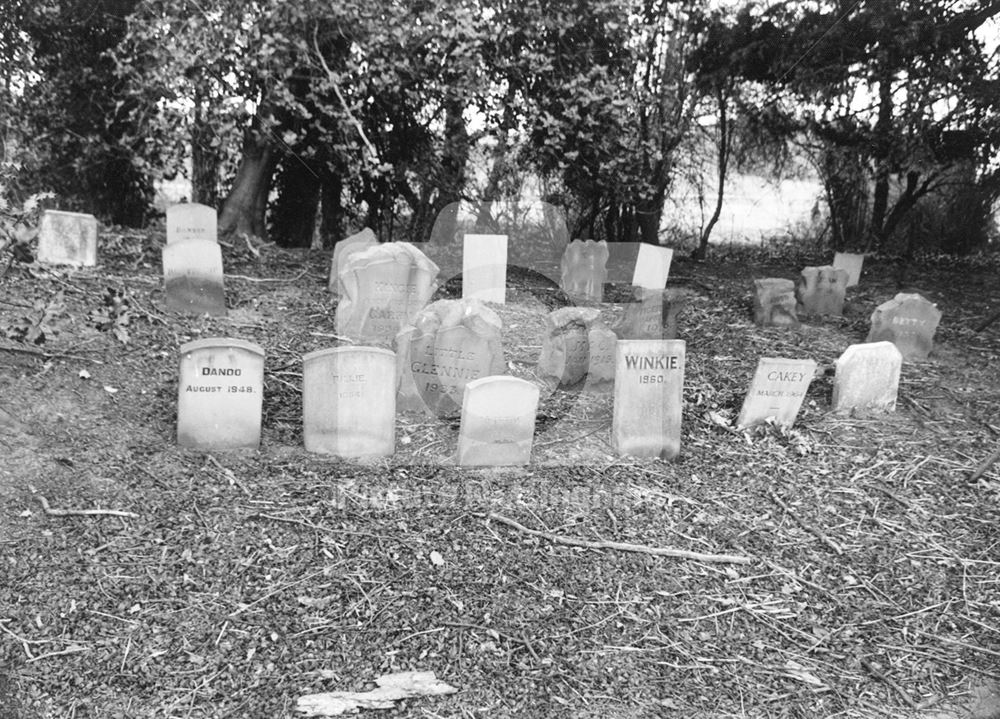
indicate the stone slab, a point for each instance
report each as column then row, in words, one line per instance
column 192, row 277
column 775, row 303
column 777, row 391
column 821, row 291
column 584, row 270
column 867, row 378
column 484, row 268
column 653, row 315
column 67, row 238
column 909, row 321
column 852, row 264
column 649, row 382
column 652, row 266
column 358, row 242
column 192, row 221
column 498, row 422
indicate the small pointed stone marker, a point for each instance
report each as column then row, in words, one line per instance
column 649, row 382
column 192, row 276
column 349, row 401
column 652, row 266
column 778, row 388
column 850, row 263
column 584, row 270
column 358, row 242
column 909, row 321
column 67, row 238
column 821, row 290
column 867, row 378
column 220, row 394
column 191, row 221
column 498, row 422
column 774, row 303
column 484, row 268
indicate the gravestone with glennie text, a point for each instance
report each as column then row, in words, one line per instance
column 777, row 391
column 867, row 378
column 649, row 381
column 220, row 394
column 358, row 242
column 821, row 290
column 851, row 263
column 191, row 221
column 584, row 270
column 484, row 268
column 349, row 401
column 67, row 238
column 909, row 321
column 775, row 303
column 498, row 422
column 652, row 266
column 192, row 276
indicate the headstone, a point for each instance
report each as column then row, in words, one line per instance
column 191, row 221
column 451, row 343
column 654, row 314
column 602, row 342
column 909, row 321
column 821, row 290
column 349, row 401
column 484, row 268
column 384, row 288
column 774, row 303
column 584, row 270
column 777, row 391
column 220, row 394
column 649, row 381
column 348, row 246
column 867, row 378
column 192, row 275
column 498, row 422
column 652, row 266
column 577, row 347
column 850, row 263
column 67, row 238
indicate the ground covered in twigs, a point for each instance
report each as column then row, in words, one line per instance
column 234, row 583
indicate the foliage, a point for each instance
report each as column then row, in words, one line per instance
column 18, row 228
column 39, row 324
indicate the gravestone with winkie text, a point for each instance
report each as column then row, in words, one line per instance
column 777, row 391
column 498, row 422
column 909, row 321
column 649, row 381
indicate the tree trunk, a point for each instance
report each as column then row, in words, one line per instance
column 883, row 142
column 293, row 216
column 204, row 157
column 723, row 149
column 649, row 212
column 332, row 222
column 244, row 208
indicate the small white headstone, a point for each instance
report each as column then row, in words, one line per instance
column 867, row 378
column 652, row 266
column 191, row 221
column 349, row 401
column 777, row 391
column 192, row 276
column 498, row 422
column 649, row 382
column 484, row 268
column 220, row 394
column 67, row 238
column 850, row 263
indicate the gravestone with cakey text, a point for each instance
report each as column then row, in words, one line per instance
column 191, row 221
column 775, row 303
column 346, row 247
column 349, row 401
column 649, row 381
column 484, row 268
column 652, row 266
column 498, row 422
column 821, row 290
column 220, row 394
column 867, row 378
column 67, row 238
column 777, row 391
column 584, row 270
column 192, row 277
column 852, row 264
column 909, row 321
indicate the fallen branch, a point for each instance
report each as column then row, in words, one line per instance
column 391, row 689
column 52, row 512
column 503, row 635
column 622, row 546
column 804, row 524
column 904, row 695
column 984, row 466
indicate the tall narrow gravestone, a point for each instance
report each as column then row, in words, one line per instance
column 584, row 270
column 349, row 401
column 867, row 378
column 821, row 290
column 498, row 422
column 384, row 288
column 908, row 321
column 348, row 246
column 652, row 266
column 191, row 221
column 192, row 276
column 67, row 238
column 851, row 263
column 220, row 394
column 484, row 268
column 649, row 382
column 777, row 391
column 774, row 303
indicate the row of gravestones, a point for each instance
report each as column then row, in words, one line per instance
column 350, row 397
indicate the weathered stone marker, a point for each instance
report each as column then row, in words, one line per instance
column 909, row 321
column 821, row 290
column 484, row 268
column 850, row 263
column 774, row 303
column 192, row 275
column 191, row 221
column 220, row 394
column 349, row 401
column 654, row 315
column 358, row 242
column 777, row 391
column 67, row 238
column 584, row 270
column 867, row 378
column 649, row 380
column 498, row 422
column 577, row 347
column 652, row 266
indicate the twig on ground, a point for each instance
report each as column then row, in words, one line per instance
column 72, row 649
column 621, row 546
column 246, row 278
column 984, row 466
column 52, row 512
column 804, row 524
column 504, row 635
column 904, row 695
